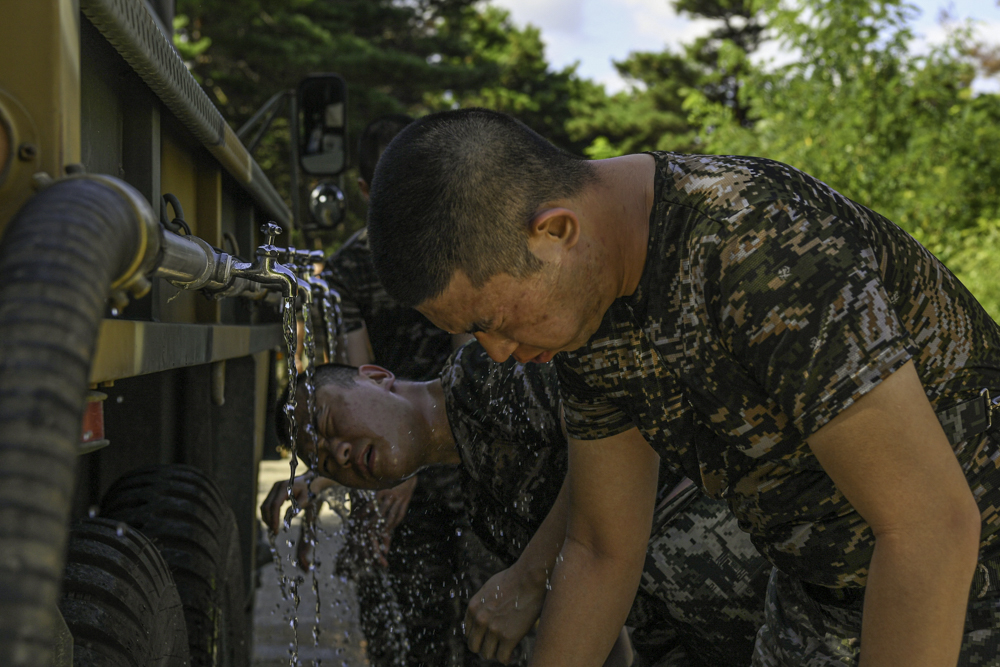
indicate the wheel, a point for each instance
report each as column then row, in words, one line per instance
column 119, row 600
column 182, row 511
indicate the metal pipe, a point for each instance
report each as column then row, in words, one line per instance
column 191, row 263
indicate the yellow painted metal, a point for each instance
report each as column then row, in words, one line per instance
column 178, row 176
column 126, row 348
column 263, row 368
column 208, row 202
column 234, row 157
column 5, row 152
column 39, row 92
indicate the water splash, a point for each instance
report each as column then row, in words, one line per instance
column 309, row 522
column 331, row 313
column 288, row 585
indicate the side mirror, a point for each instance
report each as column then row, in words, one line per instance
column 322, row 108
column 326, row 205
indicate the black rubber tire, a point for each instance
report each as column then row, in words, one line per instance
column 182, row 511
column 119, row 600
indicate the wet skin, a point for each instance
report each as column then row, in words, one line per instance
column 532, row 318
column 373, row 435
column 366, row 435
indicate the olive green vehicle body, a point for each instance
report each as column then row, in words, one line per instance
column 92, row 85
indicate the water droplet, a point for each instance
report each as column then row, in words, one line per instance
column 114, row 312
column 92, row 511
column 120, row 529
column 120, row 400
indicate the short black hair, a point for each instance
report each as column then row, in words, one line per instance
column 456, row 190
column 335, row 374
column 374, row 138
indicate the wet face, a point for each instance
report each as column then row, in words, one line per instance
column 369, row 437
column 531, row 318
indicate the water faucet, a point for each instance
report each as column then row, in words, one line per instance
column 266, row 270
column 302, row 262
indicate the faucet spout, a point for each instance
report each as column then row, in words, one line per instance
column 266, row 270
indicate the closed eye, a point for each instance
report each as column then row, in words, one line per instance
column 479, row 327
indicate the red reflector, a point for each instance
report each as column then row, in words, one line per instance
column 93, row 417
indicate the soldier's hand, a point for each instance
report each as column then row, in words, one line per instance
column 501, row 613
column 270, row 509
column 393, row 503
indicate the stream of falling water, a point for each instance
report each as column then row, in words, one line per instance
column 330, row 322
column 389, row 608
column 290, row 585
column 309, row 520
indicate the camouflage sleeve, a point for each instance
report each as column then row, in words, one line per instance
column 589, row 414
column 350, row 273
column 800, row 304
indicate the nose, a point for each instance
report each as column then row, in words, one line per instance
column 342, row 452
column 498, row 347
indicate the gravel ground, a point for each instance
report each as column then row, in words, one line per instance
column 341, row 643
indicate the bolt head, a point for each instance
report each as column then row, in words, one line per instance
column 27, row 152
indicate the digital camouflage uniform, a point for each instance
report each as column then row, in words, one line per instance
column 768, row 304
column 430, row 574
column 703, row 583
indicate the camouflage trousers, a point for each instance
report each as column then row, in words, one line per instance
column 802, row 632
column 701, row 597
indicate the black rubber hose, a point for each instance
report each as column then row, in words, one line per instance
column 58, row 258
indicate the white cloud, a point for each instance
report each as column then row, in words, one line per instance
column 595, row 32
column 657, row 20
column 549, row 15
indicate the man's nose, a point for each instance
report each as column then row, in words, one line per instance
column 498, row 347
column 342, row 452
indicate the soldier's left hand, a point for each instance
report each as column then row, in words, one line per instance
column 501, row 613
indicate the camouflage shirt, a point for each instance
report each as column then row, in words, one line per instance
column 506, row 422
column 768, row 304
column 403, row 340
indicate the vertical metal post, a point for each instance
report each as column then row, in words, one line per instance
column 293, row 145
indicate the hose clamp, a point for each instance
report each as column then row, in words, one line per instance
column 133, row 279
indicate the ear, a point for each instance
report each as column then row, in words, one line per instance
column 382, row 377
column 363, row 186
column 553, row 229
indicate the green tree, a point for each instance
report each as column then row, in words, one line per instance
column 522, row 83
column 901, row 133
column 650, row 114
column 413, row 57
column 392, row 55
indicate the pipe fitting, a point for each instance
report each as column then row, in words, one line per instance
column 132, row 281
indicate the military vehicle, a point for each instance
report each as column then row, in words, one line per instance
column 138, row 337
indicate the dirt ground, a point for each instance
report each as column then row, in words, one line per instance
column 341, row 643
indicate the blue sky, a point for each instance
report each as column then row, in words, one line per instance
column 595, row 32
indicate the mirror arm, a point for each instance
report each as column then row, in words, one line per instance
column 273, row 105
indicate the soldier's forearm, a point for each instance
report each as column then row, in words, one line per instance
column 916, row 597
column 539, row 556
